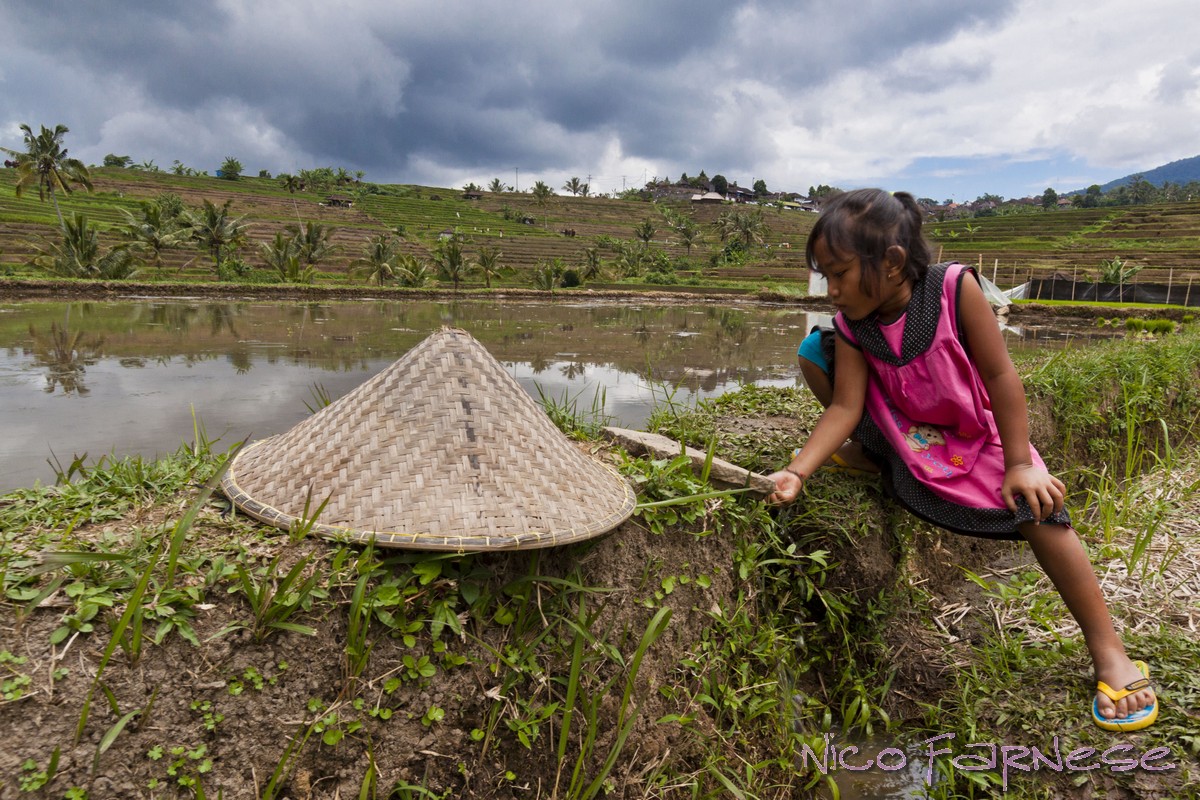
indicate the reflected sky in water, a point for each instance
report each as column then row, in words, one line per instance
column 123, row 378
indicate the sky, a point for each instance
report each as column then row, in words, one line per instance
column 945, row 100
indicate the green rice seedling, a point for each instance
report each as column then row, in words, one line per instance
column 302, row 527
column 134, row 602
column 565, row 413
column 110, row 736
column 320, row 398
column 366, row 789
column 627, row 717
column 357, row 651
column 275, row 597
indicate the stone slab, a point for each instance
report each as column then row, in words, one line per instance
column 721, row 473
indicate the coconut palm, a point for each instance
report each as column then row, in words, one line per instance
column 645, row 231
column 46, row 164
column 547, row 275
column 77, row 254
column 497, row 186
column 293, row 184
column 275, row 253
column 541, row 195
column 690, row 234
column 450, row 262
column 745, row 226
column 576, row 187
column 410, row 271
column 231, row 169
column 313, row 242
column 155, row 230
column 592, row 265
column 487, row 264
column 378, row 261
column 216, row 231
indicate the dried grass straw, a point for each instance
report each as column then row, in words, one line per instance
column 1168, row 592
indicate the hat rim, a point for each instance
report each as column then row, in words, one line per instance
column 416, row 540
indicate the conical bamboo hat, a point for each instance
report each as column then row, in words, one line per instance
column 442, row 450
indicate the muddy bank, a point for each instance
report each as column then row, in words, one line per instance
column 27, row 289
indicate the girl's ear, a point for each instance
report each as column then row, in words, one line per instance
column 894, row 258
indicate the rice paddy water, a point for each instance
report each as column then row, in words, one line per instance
column 133, row 376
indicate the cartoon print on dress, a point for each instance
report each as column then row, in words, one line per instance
column 920, row 437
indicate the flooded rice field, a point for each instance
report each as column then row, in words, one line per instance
column 131, row 377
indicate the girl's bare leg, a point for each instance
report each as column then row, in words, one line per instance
column 1061, row 554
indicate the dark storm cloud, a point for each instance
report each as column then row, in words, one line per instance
column 385, row 86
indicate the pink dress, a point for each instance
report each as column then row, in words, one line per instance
column 929, row 419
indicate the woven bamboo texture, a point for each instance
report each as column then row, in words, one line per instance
column 442, row 450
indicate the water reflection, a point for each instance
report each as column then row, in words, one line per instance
column 65, row 354
column 124, row 377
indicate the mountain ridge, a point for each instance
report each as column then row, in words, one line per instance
column 1182, row 171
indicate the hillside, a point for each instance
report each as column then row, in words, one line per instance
column 1185, row 170
column 1161, row 239
column 564, row 228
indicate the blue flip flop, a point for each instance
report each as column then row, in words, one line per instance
column 1138, row 719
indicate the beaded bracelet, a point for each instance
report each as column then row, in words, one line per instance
column 799, row 475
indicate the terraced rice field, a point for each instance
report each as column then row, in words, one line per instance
column 1163, row 239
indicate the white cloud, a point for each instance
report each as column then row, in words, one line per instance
column 796, row 94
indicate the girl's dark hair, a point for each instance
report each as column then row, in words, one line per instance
column 865, row 223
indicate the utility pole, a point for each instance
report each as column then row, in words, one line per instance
column 517, row 179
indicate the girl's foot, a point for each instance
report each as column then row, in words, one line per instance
column 1120, row 674
column 850, row 458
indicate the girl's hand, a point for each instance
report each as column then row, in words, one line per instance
column 1041, row 490
column 788, row 484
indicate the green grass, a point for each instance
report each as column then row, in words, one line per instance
column 794, row 646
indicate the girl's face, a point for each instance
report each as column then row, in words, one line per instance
column 844, row 275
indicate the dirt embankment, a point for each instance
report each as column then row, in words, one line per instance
column 18, row 289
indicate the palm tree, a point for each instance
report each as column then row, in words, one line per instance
column 497, row 186
column 293, row 184
column 690, row 234
column 214, row 230
column 541, row 195
column 576, row 187
column 378, row 261
column 45, row 163
column 746, row 226
column 645, row 231
column 77, row 254
column 592, row 266
column 548, row 274
column 487, row 263
column 451, row 264
column 410, row 271
column 313, row 242
column 231, row 169
column 277, row 252
column 155, row 230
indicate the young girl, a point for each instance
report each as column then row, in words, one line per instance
column 919, row 350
